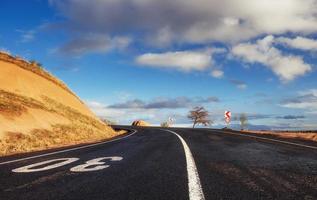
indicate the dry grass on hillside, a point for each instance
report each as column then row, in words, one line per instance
column 81, row 128
column 308, row 135
column 61, row 135
column 14, row 105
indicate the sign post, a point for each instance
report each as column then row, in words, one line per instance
column 170, row 121
column 227, row 117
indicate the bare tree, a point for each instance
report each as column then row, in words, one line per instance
column 199, row 115
column 243, row 121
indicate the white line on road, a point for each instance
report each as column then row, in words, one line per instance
column 269, row 139
column 67, row 150
column 194, row 185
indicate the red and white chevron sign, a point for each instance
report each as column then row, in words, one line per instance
column 227, row 116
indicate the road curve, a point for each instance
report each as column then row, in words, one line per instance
column 153, row 164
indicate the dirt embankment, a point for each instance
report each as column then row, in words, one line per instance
column 140, row 123
column 37, row 111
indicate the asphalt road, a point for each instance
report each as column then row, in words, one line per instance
column 153, row 163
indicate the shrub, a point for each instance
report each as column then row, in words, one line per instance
column 165, row 124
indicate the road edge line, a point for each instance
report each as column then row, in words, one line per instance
column 194, row 186
column 67, row 150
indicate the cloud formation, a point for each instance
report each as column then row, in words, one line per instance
column 291, row 117
column 299, row 42
column 99, row 26
column 164, row 103
column 190, row 21
column 286, row 67
column 180, row 60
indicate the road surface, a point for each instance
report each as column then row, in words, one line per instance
column 154, row 163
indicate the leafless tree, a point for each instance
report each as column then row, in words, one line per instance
column 199, row 115
column 243, row 121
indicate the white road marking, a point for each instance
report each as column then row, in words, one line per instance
column 269, row 139
column 194, row 185
column 67, row 150
column 97, row 161
column 28, row 168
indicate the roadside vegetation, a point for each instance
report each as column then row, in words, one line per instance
column 301, row 135
column 81, row 128
column 165, row 124
column 243, row 121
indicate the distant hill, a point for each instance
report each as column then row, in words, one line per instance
column 38, row 111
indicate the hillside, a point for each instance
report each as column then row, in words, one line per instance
column 38, row 111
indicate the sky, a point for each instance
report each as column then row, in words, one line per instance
column 155, row 59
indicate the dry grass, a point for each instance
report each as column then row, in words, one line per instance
column 14, row 105
column 304, row 135
column 121, row 132
column 81, row 129
column 62, row 135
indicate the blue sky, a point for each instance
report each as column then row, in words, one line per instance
column 151, row 59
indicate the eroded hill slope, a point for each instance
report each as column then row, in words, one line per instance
column 37, row 111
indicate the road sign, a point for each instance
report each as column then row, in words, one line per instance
column 170, row 121
column 227, row 116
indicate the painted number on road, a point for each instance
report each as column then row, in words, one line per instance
column 90, row 165
column 94, row 162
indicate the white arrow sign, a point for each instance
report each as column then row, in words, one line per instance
column 227, row 116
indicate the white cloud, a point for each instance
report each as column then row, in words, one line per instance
column 190, row 21
column 217, row 73
column 302, row 43
column 94, row 26
column 286, row 67
column 180, row 60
